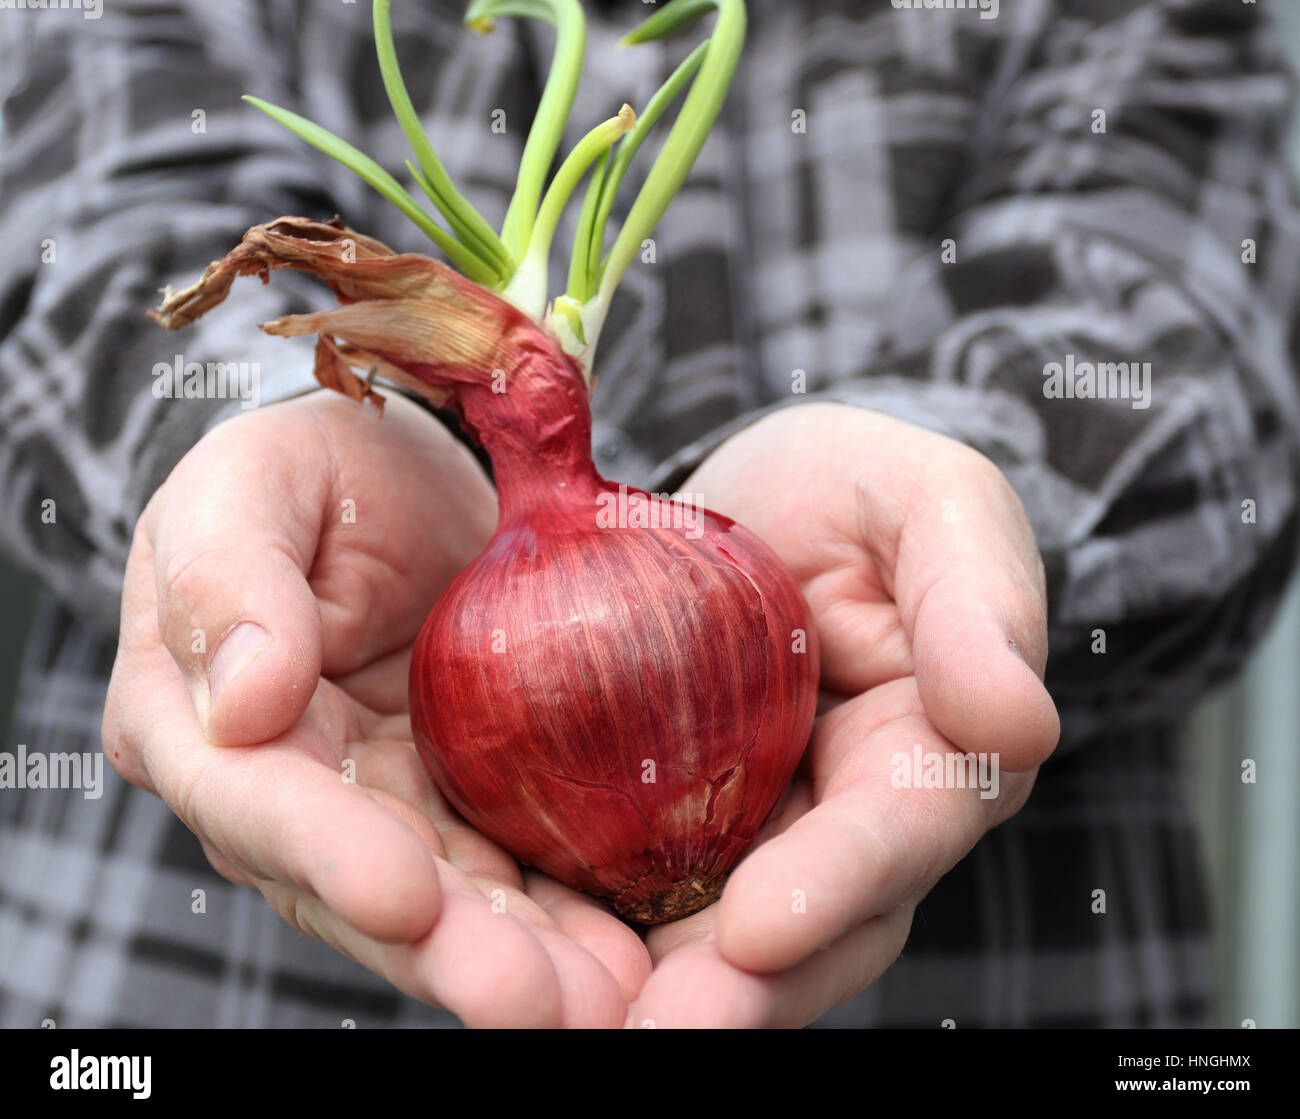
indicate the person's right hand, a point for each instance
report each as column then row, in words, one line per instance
column 275, row 585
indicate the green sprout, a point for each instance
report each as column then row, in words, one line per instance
column 515, row 261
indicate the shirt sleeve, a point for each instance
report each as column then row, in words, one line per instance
column 1107, row 313
column 99, row 120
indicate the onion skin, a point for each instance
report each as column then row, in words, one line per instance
column 620, row 707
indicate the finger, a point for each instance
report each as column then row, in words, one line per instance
column 389, row 768
column 383, row 685
column 970, row 590
column 696, row 986
column 392, row 766
column 485, row 966
column 862, row 638
column 279, row 552
column 917, row 519
column 405, row 812
column 408, row 508
column 878, row 838
column 280, row 813
column 139, row 657
column 590, row 924
column 976, row 686
column 325, row 838
column 233, row 533
column 590, row 994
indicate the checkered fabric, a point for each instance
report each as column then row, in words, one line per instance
column 918, row 209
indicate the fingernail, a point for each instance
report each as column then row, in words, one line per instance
column 241, row 645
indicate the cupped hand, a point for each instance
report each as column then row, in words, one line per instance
column 275, row 585
column 928, row 595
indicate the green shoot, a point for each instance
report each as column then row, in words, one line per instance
column 515, row 261
column 552, row 111
column 585, row 265
column 465, row 221
column 375, row 176
column 586, row 230
column 527, row 290
column 689, row 131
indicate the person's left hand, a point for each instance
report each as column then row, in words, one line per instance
column 928, row 594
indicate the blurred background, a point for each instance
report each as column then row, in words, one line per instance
column 1250, row 832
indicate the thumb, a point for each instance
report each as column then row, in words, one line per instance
column 978, row 665
column 235, row 611
column 244, row 627
column 971, row 591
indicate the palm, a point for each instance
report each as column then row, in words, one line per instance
column 846, row 595
column 328, row 811
column 351, row 728
column 902, row 618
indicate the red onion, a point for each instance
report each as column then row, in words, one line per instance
column 618, row 690
column 617, row 705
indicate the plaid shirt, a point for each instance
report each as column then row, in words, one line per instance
column 812, row 235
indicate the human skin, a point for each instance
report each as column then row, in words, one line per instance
column 306, row 543
column 928, row 594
